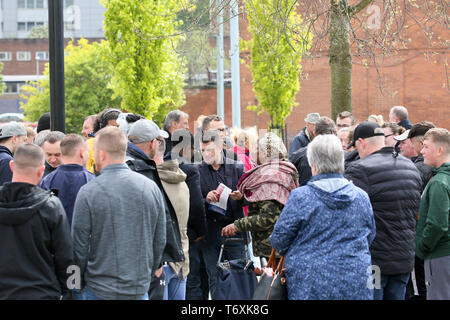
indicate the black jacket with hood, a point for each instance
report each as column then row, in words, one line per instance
column 140, row 163
column 35, row 243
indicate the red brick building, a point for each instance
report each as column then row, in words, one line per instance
column 417, row 78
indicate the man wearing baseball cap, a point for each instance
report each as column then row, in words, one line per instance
column 393, row 184
column 306, row 135
column 145, row 139
column 12, row 135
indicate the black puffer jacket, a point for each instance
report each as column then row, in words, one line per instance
column 426, row 172
column 140, row 163
column 35, row 243
column 394, row 187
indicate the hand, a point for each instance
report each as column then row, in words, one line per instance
column 159, row 272
column 229, row 230
column 236, row 195
column 212, row 196
column 199, row 239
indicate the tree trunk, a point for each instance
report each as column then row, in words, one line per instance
column 340, row 58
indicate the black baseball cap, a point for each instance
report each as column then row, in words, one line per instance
column 364, row 130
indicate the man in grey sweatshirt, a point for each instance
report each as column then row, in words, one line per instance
column 118, row 226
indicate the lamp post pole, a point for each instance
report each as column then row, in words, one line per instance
column 56, row 48
column 235, row 65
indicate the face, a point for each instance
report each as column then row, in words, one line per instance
column 88, row 127
column 211, row 152
column 99, row 156
column 84, row 150
column 343, row 137
column 310, row 127
column 52, row 153
column 389, row 137
column 343, row 122
column 182, row 124
column 29, row 139
column 19, row 140
column 417, row 144
column 361, row 146
column 430, row 153
column 407, row 149
column 218, row 126
column 392, row 117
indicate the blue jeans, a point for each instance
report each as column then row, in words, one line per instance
column 210, row 251
column 87, row 294
column 393, row 287
column 175, row 288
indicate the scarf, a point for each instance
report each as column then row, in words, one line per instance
column 271, row 181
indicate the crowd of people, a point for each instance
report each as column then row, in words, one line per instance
column 129, row 210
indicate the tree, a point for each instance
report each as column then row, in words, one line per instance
column 2, row 84
column 367, row 31
column 148, row 73
column 39, row 32
column 87, row 83
column 276, row 54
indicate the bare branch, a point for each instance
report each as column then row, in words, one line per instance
column 359, row 7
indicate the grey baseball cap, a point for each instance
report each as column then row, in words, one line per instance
column 145, row 130
column 312, row 117
column 11, row 129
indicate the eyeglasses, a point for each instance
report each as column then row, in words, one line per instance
column 388, row 135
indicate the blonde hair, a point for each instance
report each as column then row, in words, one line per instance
column 439, row 136
column 378, row 119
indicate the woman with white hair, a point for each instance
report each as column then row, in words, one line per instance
column 325, row 231
column 266, row 188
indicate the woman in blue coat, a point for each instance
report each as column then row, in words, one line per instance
column 325, row 231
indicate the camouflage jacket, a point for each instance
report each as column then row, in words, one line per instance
column 260, row 222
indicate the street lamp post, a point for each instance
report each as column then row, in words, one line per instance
column 56, row 48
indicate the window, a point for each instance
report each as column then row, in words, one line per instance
column 69, row 25
column 14, row 87
column 68, row 3
column 23, row 55
column 30, row 25
column 11, row 87
column 31, row 4
column 21, row 26
column 5, row 56
column 42, row 55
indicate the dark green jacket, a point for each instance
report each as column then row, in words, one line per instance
column 260, row 222
column 433, row 233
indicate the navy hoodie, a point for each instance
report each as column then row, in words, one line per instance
column 5, row 172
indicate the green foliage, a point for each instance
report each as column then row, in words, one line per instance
column 277, row 46
column 39, row 32
column 87, row 83
column 148, row 73
column 2, row 84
